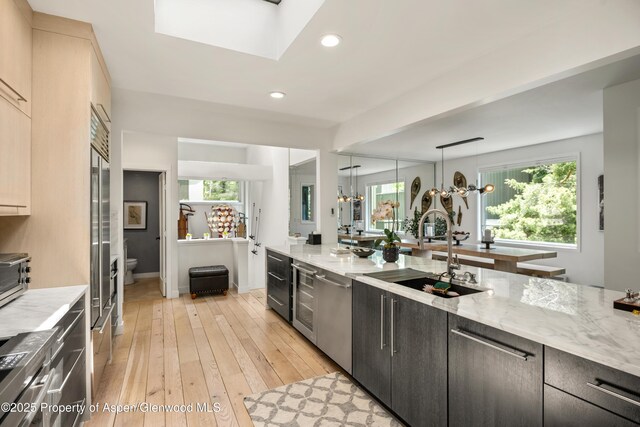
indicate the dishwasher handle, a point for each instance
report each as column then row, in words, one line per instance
column 324, row 279
column 304, row 270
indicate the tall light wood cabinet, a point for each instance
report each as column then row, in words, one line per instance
column 15, row 107
column 66, row 64
column 16, row 53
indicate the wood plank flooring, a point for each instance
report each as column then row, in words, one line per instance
column 215, row 350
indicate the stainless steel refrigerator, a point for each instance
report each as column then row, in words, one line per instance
column 102, row 290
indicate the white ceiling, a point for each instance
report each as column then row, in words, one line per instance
column 389, row 48
column 564, row 109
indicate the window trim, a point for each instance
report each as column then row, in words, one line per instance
column 367, row 198
column 241, row 193
column 537, row 161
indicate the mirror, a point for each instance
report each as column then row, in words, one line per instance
column 364, row 182
column 302, row 193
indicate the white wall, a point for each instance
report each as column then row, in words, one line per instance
column 621, row 222
column 148, row 152
column 272, row 196
column 599, row 33
column 326, row 186
column 204, row 152
column 584, row 265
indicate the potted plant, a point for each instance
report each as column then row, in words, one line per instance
column 387, row 210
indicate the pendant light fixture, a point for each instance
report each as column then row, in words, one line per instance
column 461, row 191
column 357, row 196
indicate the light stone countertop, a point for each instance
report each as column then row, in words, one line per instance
column 38, row 309
column 574, row 318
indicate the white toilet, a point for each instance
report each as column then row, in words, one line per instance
column 132, row 263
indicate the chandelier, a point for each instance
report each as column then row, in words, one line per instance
column 343, row 197
column 462, row 191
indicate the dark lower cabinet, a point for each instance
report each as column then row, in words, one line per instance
column 419, row 362
column 564, row 410
column 400, row 354
column 371, row 359
column 495, row 378
column 279, row 284
column 616, row 391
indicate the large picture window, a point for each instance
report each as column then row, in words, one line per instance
column 209, row 191
column 377, row 193
column 535, row 202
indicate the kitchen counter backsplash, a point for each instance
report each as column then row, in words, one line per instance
column 574, row 318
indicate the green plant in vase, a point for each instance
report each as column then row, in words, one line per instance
column 387, row 211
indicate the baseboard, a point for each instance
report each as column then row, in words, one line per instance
column 146, row 275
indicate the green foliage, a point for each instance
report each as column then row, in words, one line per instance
column 543, row 209
column 389, row 240
column 411, row 225
column 221, row 190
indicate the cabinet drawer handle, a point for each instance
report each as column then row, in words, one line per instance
column 490, row 344
column 382, row 297
column 274, row 258
column 66, row 379
column 275, row 276
column 598, row 386
column 13, row 206
column 304, row 270
column 66, row 332
column 276, row 301
column 393, row 343
column 324, row 279
column 20, row 97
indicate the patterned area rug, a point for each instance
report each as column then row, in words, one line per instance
column 330, row 400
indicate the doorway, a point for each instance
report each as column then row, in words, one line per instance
column 145, row 234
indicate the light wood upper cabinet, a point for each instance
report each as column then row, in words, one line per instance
column 16, row 54
column 100, row 90
column 15, row 160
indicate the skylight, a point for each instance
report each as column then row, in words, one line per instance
column 242, row 25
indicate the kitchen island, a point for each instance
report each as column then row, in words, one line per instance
column 538, row 322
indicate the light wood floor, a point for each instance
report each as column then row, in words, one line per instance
column 213, row 349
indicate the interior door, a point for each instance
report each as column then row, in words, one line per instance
column 162, row 186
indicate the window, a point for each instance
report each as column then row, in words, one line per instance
column 209, row 191
column 377, row 193
column 533, row 202
column 308, row 201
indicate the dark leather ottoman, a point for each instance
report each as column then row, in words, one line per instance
column 210, row 279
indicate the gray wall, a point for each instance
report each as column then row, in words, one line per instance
column 142, row 244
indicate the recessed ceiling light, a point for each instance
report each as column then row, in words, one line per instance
column 277, row 95
column 331, row 40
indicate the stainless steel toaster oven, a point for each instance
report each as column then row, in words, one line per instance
column 14, row 276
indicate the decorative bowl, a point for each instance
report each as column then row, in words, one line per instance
column 362, row 252
column 461, row 237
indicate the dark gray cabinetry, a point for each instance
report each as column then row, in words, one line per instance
column 279, row 284
column 400, row 354
column 419, row 362
column 69, row 361
column 371, row 358
column 564, row 410
column 495, row 378
column 600, row 392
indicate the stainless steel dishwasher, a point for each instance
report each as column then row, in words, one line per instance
column 333, row 294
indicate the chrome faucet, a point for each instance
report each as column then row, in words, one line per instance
column 451, row 265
